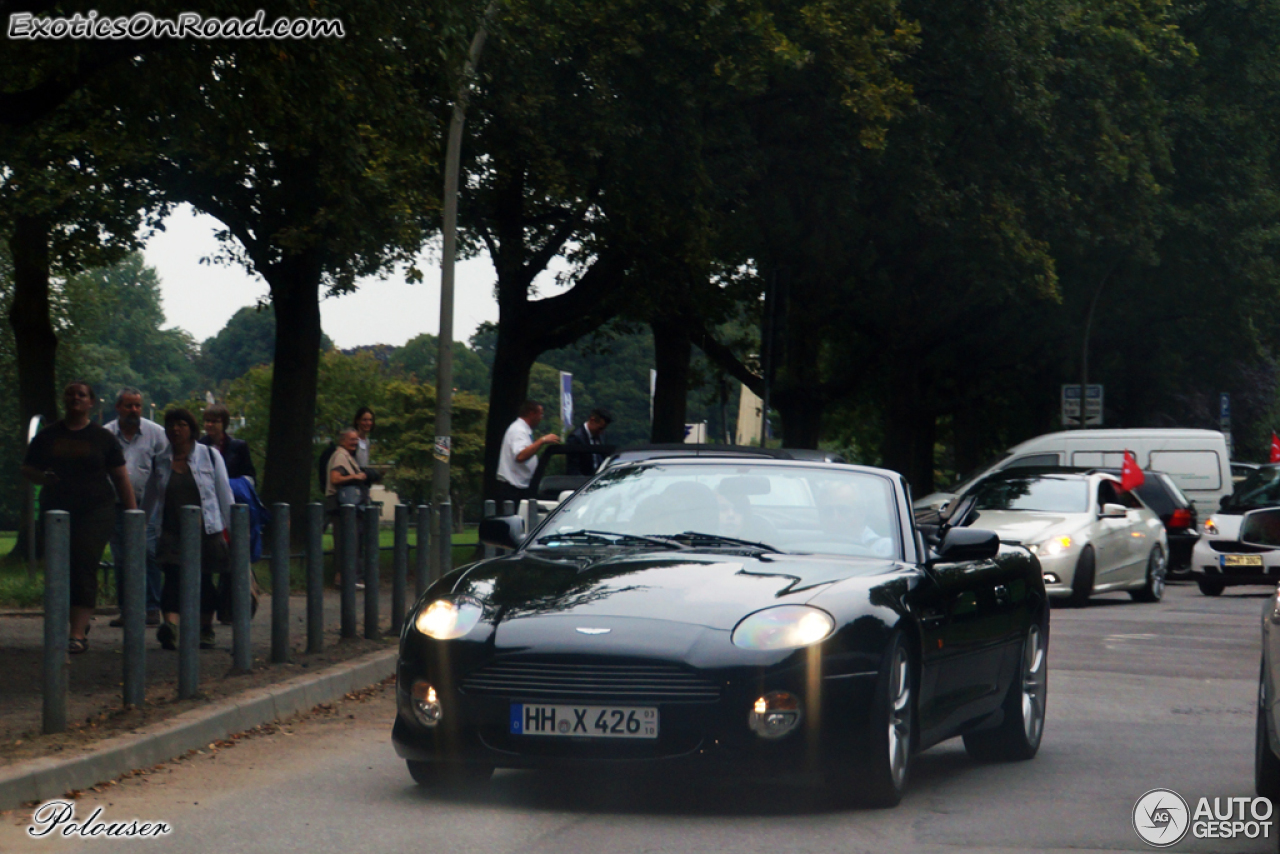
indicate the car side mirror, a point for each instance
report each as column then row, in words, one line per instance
column 1261, row 528
column 1113, row 511
column 960, row 544
column 505, row 532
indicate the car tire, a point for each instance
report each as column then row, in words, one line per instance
column 1082, row 580
column 1018, row 736
column 435, row 775
column 1266, row 765
column 891, row 739
column 1157, row 569
column 1209, row 587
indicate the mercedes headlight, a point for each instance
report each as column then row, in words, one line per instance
column 1051, row 547
column 446, row 619
column 784, row 627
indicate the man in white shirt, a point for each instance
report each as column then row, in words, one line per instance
column 518, row 459
column 142, row 441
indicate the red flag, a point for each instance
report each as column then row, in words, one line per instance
column 1131, row 476
column 1275, row 447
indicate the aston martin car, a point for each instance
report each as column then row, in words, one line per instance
column 1091, row 536
column 744, row 616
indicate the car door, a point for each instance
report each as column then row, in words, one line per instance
column 1112, row 550
column 967, row 617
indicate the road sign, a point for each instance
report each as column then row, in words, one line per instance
column 1071, row 405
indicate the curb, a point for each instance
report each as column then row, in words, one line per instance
column 41, row 779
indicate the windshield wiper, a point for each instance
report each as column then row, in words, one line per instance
column 697, row 536
column 611, row 538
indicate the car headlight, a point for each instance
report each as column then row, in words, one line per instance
column 446, row 619
column 784, row 627
column 1210, row 527
column 1051, row 547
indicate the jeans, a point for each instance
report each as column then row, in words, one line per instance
column 155, row 578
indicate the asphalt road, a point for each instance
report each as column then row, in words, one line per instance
column 1140, row 697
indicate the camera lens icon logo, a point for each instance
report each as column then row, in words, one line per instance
column 1161, row 818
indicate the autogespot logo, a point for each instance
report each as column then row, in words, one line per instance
column 1161, row 818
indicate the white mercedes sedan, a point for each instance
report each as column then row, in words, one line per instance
column 1090, row 535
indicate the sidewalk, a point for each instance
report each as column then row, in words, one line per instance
column 104, row 738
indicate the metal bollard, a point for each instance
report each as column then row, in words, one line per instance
column 371, row 567
column 444, row 541
column 422, row 554
column 133, row 610
column 191, row 530
column 279, row 582
column 508, row 508
column 315, row 577
column 400, row 568
column 350, row 553
column 57, row 615
column 241, row 592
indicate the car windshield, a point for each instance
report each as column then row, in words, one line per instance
column 1260, row 489
column 1037, row 494
column 731, row 505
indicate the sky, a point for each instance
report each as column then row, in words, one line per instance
column 201, row 298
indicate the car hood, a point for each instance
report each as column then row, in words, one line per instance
column 1028, row 526
column 701, row 589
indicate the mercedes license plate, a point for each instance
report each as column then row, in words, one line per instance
column 584, row 721
column 1242, row 560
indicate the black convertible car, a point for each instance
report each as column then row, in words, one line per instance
column 755, row 616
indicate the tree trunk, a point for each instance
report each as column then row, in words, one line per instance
column 911, row 428
column 672, row 349
column 34, row 338
column 801, row 411
column 290, row 458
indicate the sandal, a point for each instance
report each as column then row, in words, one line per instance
column 75, row 646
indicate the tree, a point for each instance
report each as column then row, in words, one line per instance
column 114, row 336
column 417, row 358
column 248, row 340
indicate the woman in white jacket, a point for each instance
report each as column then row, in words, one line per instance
column 188, row 473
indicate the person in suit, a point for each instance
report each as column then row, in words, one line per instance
column 590, row 433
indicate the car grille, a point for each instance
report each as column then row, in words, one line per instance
column 651, row 683
column 1233, row 547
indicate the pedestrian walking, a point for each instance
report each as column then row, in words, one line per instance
column 518, row 459
column 363, row 425
column 142, row 440
column 235, row 452
column 77, row 463
column 189, row 473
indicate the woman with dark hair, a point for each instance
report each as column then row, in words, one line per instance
column 235, row 452
column 77, row 462
column 363, row 425
column 189, row 473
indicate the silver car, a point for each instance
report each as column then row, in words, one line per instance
column 1091, row 536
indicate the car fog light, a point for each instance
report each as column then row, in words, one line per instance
column 1051, row 578
column 775, row 714
column 426, row 706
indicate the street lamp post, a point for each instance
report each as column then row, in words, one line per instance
column 444, row 357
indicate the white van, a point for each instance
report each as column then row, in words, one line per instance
column 1196, row 460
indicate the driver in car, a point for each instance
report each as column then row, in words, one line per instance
column 843, row 514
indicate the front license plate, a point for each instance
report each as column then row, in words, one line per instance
column 1242, row 560
column 584, row 721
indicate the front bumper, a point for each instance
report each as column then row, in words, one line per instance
column 707, row 735
column 1059, row 572
column 1226, row 562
